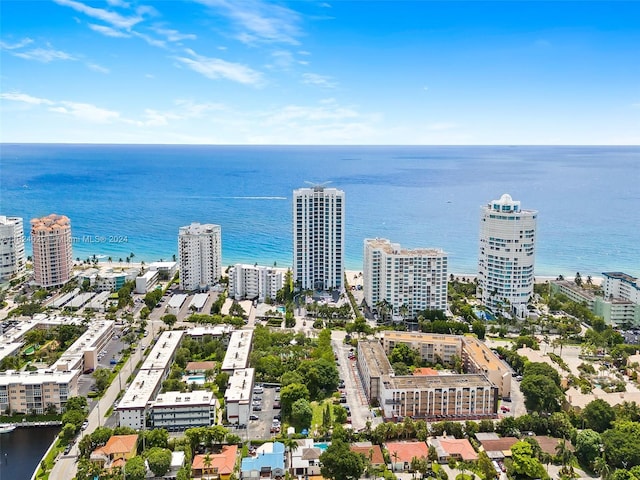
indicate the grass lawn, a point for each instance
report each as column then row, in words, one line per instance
column 318, row 408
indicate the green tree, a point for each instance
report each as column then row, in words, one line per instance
column 170, row 319
column 67, row 432
column 156, row 438
column 541, row 393
column 588, row 443
column 159, row 460
column 291, row 393
column 301, row 413
column 598, row 415
column 478, row 327
column 102, row 377
column 539, row 368
column 621, row 444
column 524, row 464
column 74, row 417
column 485, row 466
column 403, row 353
column 340, row 414
column 340, row 463
column 222, row 380
column 76, row 403
column 135, row 469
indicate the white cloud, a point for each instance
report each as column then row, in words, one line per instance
column 44, row 55
column 85, row 111
column 258, row 21
column 151, row 41
column 216, row 68
column 173, row 35
column 282, row 59
column 319, row 80
column 23, row 97
column 118, row 3
column 22, row 43
column 112, row 18
column 97, row 68
column 108, row 31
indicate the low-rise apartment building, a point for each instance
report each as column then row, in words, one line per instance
column 26, row 392
column 237, row 397
column 255, row 282
column 177, row 411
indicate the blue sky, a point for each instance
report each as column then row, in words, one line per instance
column 307, row 72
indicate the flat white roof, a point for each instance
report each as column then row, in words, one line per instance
column 148, row 275
column 162, row 352
column 168, row 265
column 89, row 339
column 60, row 301
column 240, row 386
column 99, row 300
column 80, row 300
column 179, row 399
column 177, row 300
column 8, row 349
column 214, row 331
column 141, row 390
column 237, row 355
column 37, row 377
column 198, row 300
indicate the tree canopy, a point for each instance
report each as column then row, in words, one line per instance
column 340, row 463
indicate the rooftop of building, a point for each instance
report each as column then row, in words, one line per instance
column 421, row 337
column 163, row 351
column 213, row 330
column 50, row 223
column 199, row 229
column 454, row 447
column 223, row 463
column 482, row 355
column 200, row 366
column 406, row 451
column 240, row 386
column 425, row 371
column 118, row 444
column 7, row 220
column 583, row 292
column 620, row 276
column 371, row 452
column 269, row 455
column 89, row 339
column 141, row 390
column 37, row 377
column 237, row 355
column 395, row 249
column 441, row 381
column 375, row 358
column 181, row 399
column 198, row 300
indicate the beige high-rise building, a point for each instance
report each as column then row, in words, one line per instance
column 12, row 259
column 200, row 250
column 52, row 250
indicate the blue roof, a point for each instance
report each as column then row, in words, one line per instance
column 272, row 460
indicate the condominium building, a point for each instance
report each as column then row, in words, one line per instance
column 237, row 397
column 177, row 411
column 25, row 392
column 475, row 356
column 507, row 256
column 410, row 281
column 12, row 259
column 255, row 282
column 52, row 250
column 443, row 397
column 318, row 238
column 621, row 285
column 200, row 251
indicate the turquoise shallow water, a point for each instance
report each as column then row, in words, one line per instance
column 124, row 199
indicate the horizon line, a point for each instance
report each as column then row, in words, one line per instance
column 510, row 145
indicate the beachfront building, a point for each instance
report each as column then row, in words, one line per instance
column 408, row 281
column 107, row 279
column 507, row 256
column 52, row 250
column 200, row 250
column 146, row 281
column 442, row 397
column 12, row 259
column 255, row 282
column 318, row 238
column 26, row 392
column 166, row 270
column 614, row 308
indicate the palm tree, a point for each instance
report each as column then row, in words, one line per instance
column 206, row 462
column 601, row 467
column 395, row 457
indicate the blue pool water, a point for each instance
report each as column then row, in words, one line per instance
column 321, row 446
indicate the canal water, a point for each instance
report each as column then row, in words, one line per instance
column 22, row 450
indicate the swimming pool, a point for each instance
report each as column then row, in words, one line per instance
column 197, row 379
column 321, row 446
column 281, row 309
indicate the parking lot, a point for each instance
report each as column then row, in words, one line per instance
column 260, row 428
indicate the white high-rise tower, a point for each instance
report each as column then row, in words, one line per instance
column 507, row 255
column 200, row 249
column 318, row 238
column 12, row 259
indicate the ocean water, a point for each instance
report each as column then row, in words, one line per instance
column 133, row 198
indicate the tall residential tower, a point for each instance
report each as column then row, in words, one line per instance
column 318, row 238
column 52, row 253
column 507, row 255
column 200, row 249
column 12, row 259
column 408, row 281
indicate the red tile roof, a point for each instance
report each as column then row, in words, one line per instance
column 224, row 461
column 376, row 453
column 405, row 451
column 118, row 444
column 425, row 371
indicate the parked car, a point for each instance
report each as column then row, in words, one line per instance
column 257, row 408
column 253, row 416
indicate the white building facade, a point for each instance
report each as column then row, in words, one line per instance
column 409, row 280
column 52, row 250
column 318, row 238
column 507, row 255
column 12, row 258
column 621, row 285
column 255, row 282
column 200, row 250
